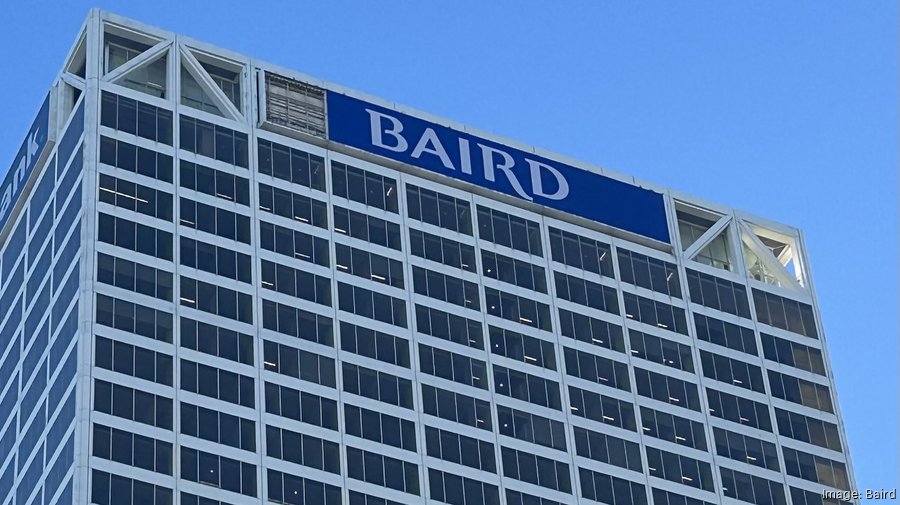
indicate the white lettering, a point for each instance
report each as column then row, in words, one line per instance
column 465, row 157
column 23, row 172
column 387, row 133
column 430, row 143
column 20, row 171
column 375, row 120
column 505, row 167
column 17, row 176
column 537, row 184
column 5, row 200
column 32, row 146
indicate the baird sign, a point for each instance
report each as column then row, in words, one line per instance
column 479, row 161
column 25, row 161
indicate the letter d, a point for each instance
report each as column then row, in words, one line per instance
column 537, row 184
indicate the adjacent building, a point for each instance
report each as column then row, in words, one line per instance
column 225, row 282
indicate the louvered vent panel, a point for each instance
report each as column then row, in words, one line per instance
column 295, row 105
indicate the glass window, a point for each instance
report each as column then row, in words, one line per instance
column 369, row 265
column 772, row 309
column 738, row 410
column 305, row 169
column 301, row 406
column 446, row 288
column 597, row 369
column 732, row 371
column 298, row 363
column 442, row 250
column 382, row 470
column 213, row 141
column 438, row 209
column 522, row 347
column 294, row 244
column 526, row 387
column 121, row 113
column 793, row 354
column 135, row 236
column 750, row 488
column 216, row 383
column 296, row 283
column 725, row 334
column 368, row 228
column 673, row 428
column 581, row 252
column 517, row 309
column 215, row 183
column 667, row 389
column 808, row 429
column 456, row 407
column 654, row 313
column 451, row 366
column 380, row 427
column 134, row 277
column 496, row 226
column 460, row 449
column 537, row 470
column 718, row 294
column 364, row 302
column 374, row 344
column 377, row 385
column 650, row 273
column 531, row 428
column 364, row 187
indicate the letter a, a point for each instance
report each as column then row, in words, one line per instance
column 430, row 143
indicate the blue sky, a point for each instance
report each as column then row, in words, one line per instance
column 784, row 109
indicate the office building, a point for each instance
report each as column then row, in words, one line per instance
column 225, row 282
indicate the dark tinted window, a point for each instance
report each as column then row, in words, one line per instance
column 136, row 159
column 651, row 273
column 442, row 250
column 581, row 252
column 718, row 294
column 785, row 313
column 438, row 209
column 509, row 231
column 137, row 118
column 215, row 183
column 213, row 141
column 292, row 165
column 673, row 428
column 659, row 314
column 367, row 188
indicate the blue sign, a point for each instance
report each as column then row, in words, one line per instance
column 479, row 161
column 25, row 161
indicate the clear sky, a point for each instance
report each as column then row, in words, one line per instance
column 788, row 110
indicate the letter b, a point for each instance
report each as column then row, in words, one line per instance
column 375, row 120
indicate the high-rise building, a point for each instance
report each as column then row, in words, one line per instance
column 225, row 282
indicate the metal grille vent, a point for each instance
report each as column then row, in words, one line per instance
column 295, row 105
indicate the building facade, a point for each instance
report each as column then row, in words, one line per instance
column 224, row 282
